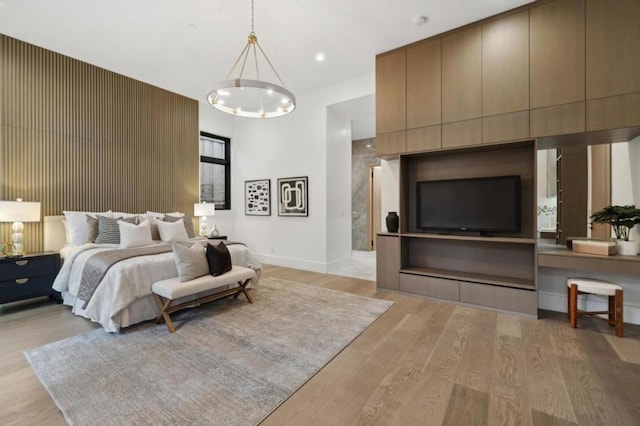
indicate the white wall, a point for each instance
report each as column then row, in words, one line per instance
column 338, row 251
column 389, row 188
column 294, row 145
column 213, row 121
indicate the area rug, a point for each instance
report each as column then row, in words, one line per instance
column 229, row 363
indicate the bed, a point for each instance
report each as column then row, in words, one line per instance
column 123, row 296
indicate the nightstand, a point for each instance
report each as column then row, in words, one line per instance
column 219, row 237
column 29, row 276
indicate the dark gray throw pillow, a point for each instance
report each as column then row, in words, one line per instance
column 109, row 231
column 219, row 259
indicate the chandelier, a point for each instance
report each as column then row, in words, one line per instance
column 252, row 98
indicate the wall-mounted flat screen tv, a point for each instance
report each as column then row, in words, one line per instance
column 485, row 205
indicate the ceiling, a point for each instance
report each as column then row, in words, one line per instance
column 187, row 45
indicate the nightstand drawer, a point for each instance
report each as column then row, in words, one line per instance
column 28, row 267
column 25, row 288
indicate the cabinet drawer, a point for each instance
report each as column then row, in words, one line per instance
column 429, row 286
column 510, row 299
column 28, row 267
column 25, row 288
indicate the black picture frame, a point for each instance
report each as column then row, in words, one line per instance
column 257, row 197
column 293, row 196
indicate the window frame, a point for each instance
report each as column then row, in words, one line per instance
column 226, row 162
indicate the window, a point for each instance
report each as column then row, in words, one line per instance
column 215, row 170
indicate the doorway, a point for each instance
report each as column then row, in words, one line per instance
column 373, row 207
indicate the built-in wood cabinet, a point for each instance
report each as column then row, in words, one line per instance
column 387, row 261
column 557, row 54
column 498, row 271
column 424, row 138
column 551, row 68
column 462, row 74
column 391, row 89
column 612, row 63
column 462, row 133
column 557, row 68
column 391, row 143
column 424, row 84
column 505, row 127
column 613, row 50
column 505, row 64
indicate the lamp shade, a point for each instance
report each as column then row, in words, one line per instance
column 204, row 209
column 19, row 211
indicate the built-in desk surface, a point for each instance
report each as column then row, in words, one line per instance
column 553, row 256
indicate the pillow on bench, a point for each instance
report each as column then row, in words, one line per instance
column 191, row 262
column 219, row 259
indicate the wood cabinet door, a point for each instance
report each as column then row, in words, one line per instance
column 387, row 261
column 391, row 88
column 424, row 84
column 505, row 64
column 557, row 43
column 613, row 47
column 462, row 75
column 391, row 143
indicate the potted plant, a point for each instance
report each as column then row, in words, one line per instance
column 622, row 219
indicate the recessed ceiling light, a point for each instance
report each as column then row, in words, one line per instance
column 320, row 57
column 420, row 20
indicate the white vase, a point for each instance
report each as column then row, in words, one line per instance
column 626, row 248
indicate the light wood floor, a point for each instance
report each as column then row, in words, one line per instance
column 423, row 362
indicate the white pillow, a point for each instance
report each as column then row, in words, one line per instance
column 191, row 262
column 77, row 225
column 132, row 235
column 172, row 232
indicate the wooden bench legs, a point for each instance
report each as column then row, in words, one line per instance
column 166, row 308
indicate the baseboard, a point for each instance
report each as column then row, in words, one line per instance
column 289, row 262
column 337, row 264
column 558, row 302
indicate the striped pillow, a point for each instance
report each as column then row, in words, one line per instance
column 188, row 223
column 109, row 231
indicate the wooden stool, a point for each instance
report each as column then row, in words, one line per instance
column 603, row 288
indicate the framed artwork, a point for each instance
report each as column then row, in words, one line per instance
column 293, row 196
column 257, row 197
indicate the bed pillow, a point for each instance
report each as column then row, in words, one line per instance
column 154, row 217
column 77, row 225
column 191, row 262
column 172, row 232
column 109, row 230
column 161, row 216
column 218, row 259
column 188, row 223
column 132, row 235
column 92, row 228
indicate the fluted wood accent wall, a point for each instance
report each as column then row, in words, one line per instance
column 78, row 137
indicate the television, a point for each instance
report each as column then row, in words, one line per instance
column 480, row 205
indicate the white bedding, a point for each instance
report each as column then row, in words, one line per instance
column 124, row 295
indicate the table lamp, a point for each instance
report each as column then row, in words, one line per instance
column 203, row 210
column 17, row 212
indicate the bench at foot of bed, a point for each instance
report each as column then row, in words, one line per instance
column 168, row 290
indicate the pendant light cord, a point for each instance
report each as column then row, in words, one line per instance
column 252, row 17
